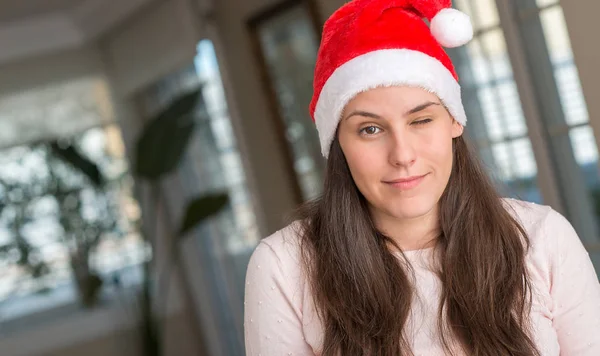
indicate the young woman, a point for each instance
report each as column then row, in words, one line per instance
column 410, row 250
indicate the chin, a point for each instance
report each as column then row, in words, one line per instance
column 411, row 208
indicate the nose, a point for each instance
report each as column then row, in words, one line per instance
column 402, row 152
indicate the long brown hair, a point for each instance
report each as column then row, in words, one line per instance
column 363, row 291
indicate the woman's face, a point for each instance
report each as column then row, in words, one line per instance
column 398, row 145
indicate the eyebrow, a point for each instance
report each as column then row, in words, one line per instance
column 421, row 107
column 414, row 110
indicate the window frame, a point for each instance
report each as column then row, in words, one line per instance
column 253, row 24
column 558, row 172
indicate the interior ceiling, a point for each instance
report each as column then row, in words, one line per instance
column 16, row 10
column 32, row 28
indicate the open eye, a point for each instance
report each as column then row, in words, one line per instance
column 370, row 130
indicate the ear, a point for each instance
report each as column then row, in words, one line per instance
column 457, row 129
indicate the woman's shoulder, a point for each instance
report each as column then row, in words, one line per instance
column 284, row 242
column 527, row 213
column 537, row 219
column 280, row 251
column 549, row 232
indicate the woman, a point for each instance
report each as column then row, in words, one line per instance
column 410, row 250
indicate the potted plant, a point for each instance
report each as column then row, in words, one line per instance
column 159, row 151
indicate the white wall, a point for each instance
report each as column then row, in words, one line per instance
column 55, row 67
column 156, row 41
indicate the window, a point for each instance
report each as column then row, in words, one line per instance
column 538, row 53
column 49, row 210
column 288, row 42
column 576, row 119
column 563, row 112
column 213, row 163
column 39, row 113
column 496, row 120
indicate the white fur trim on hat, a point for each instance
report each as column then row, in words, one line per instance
column 383, row 68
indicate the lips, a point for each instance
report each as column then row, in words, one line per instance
column 406, row 183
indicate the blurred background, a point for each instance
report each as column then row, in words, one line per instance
column 146, row 146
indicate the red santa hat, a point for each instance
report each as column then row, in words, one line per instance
column 378, row 43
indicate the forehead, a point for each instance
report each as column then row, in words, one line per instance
column 398, row 96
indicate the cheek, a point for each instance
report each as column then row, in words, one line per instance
column 439, row 153
column 359, row 161
column 365, row 164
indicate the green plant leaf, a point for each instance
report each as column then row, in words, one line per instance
column 71, row 156
column 7, row 248
column 165, row 138
column 201, row 208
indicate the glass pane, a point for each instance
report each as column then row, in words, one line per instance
column 489, row 57
column 571, row 94
column 464, row 6
column 542, row 3
column 494, row 49
column 491, row 96
column 289, row 45
column 480, row 66
column 509, row 167
column 503, row 162
column 207, row 69
column 498, row 92
column 509, row 99
column 503, row 114
column 46, row 113
column 517, row 169
column 50, row 211
column 557, row 37
column 525, row 166
column 223, row 131
column 232, row 164
column 492, row 116
column 565, row 72
column 483, row 13
column 584, row 146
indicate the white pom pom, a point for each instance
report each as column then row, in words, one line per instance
column 451, row 28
